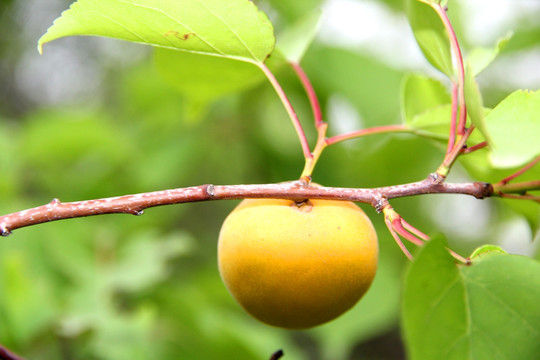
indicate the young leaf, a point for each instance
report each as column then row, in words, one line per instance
column 420, row 93
column 433, row 123
column 295, row 39
column 473, row 99
column 514, row 127
column 234, row 29
column 430, row 35
column 468, row 312
column 481, row 57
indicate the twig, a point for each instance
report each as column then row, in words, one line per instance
column 296, row 190
column 369, row 131
column 5, row 354
column 521, row 171
column 459, row 63
column 452, row 156
column 290, row 110
column 474, row 148
column 520, row 188
column 310, row 91
column 277, row 355
column 453, row 118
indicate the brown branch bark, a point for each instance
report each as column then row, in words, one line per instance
column 5, row 354
column 296, row 190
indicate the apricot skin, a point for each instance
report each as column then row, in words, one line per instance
column 297, row 266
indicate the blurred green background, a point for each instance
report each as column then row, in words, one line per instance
column 93, row 118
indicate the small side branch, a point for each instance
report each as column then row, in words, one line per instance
column 277, row 355
column 295, row 190
column 290, row 110
column 460, row 67
column 5, row 354
column 312, row 96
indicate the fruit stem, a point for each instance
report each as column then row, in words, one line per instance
column 290, row 110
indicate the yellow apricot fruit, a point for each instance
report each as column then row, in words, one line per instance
column 297, row 265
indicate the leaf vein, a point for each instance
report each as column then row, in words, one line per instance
column 230, row 29
column 504, row 305
column 179, row 22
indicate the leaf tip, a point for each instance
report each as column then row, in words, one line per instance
column 40, row 47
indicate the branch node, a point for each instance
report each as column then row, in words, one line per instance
column 379, row 202
column 277, row 355
column 54, row 201
column 435, row 178
column 486, row 190
column 210, row 191
column 4, row 230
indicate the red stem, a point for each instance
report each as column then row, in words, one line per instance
column 290, row 110
column 363, row 132
column 471, row 149
column 520, row 187
column 520, row 197
column 453, row 119
column 519, row 172
column 310, row 91
column 451, row 157
column 460, row 68
column 396, row 224
column 396, row 237
column 414, row 230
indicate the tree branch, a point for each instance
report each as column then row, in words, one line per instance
column 5, row 354
column 295, row 190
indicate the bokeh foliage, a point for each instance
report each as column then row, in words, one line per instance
column 123, row 287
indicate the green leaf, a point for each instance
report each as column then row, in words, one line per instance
column 433, row 123
column 22, row 314
column 204, row 78
column 480, row 57
column 295, row 39
column 142, row 263
column 420, row 93
column 291, row 11
column 473, row 99
column 514, row 127
column 234, row 29
column 468, row 312
column 430, row 35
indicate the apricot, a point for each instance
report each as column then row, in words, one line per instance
column 297, row 265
